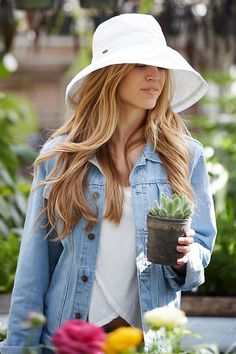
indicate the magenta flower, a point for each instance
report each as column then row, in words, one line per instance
column 78, row 337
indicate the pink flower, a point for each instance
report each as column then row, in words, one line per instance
column 78, row 337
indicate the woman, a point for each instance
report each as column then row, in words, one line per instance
column 83, row 253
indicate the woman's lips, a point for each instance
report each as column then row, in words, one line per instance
column 150, row 90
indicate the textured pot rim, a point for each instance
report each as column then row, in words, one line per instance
column 167, row 219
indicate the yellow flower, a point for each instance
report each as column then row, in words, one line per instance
column 122, row 338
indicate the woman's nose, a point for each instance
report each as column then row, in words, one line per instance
column 153, row 73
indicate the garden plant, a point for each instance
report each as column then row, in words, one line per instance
column 167, row 327
column 15, row 118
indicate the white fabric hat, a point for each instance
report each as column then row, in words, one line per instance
column 138, row 38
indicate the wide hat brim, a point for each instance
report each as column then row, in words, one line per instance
column 188, row 86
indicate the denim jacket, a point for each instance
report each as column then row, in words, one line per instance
column 56, row 278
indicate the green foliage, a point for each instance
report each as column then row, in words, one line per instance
column 82, row 59
column 146, row 6
column 12, row 203
column 18, row 117
column 173, row 207
column 15, row 126
column 220, row 274
column 3, row 334
column 12, row 192
column 218, row 134
column 4, row 72
column 218, row 77
column 8, row 259
column 7, row 117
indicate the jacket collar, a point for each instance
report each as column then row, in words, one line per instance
column 150, row 154
column 147, row 154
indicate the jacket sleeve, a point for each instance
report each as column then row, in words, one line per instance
column 203, row 222
column 32, row 275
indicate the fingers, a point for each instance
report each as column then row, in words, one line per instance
column 183, row 260
column 190, row 233
column 184, row 246
column 183, row 249
column 187, row 239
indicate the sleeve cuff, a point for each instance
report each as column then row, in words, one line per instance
column 194, row 272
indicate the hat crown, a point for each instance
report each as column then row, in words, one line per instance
column 125, row 31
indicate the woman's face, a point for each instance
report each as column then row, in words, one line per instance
column 141, row 87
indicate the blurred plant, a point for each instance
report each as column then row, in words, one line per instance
column 168, row 324
column 221, row 274
column 78, row 337
column 13, row 189
column 13, row 195
column 146, row 6
column 217, row 132
column 33, row 322
column 12, row 213
column 165, row 324
column 7, row 26
column 15, row 117
column 3, row 334
column 8, row 260
column 123, row 340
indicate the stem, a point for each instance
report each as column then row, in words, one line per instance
column 173, row 340
column 28, row 341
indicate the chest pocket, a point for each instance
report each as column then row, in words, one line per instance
column 157, row 182
column 155, row 189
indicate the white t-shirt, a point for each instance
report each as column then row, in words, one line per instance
column 115, row 291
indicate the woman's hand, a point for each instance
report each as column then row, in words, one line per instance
column 184, row 247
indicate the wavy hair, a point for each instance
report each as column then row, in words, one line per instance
column 90, row 132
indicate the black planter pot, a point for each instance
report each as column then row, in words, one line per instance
column 102, row 4
column 30, row 5
column 163, row 237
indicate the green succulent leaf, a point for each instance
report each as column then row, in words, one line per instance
column 163, row 212
column 174, row 206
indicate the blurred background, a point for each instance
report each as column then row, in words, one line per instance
column 44, row 43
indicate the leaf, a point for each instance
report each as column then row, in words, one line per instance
column 176, row 202
column 4, row 230
column 4, row 73
column 4, row 210
column 163, row 212
column 203, row 349
column 169, row 208
column 163, row 201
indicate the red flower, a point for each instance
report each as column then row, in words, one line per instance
column 78, row 337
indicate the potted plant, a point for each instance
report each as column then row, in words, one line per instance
column 166, row 222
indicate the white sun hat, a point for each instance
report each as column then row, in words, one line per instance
column 138, row 38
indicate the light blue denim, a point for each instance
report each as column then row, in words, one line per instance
column 56, row 278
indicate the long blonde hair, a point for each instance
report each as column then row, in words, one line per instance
column 90, row 132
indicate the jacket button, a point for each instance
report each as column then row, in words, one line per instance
column 91, row 236
column 78, row 315
column 84, row 278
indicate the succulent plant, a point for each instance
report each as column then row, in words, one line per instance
column 173, row 207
